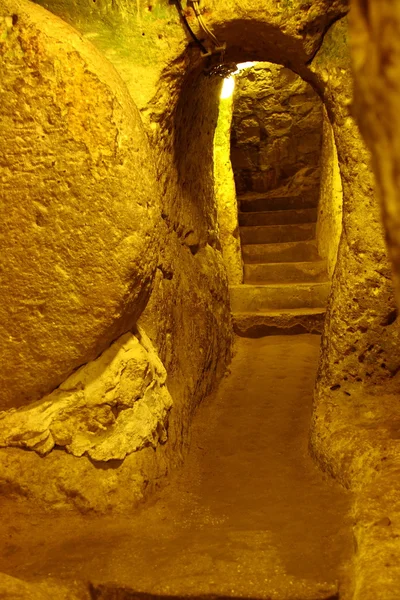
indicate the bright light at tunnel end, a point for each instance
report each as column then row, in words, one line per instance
column 227, row 87
column 229, row 82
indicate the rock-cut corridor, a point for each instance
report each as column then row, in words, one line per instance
column 249, row 515
column 125, row 169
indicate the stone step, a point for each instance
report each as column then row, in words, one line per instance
column 281, row 252
column 279, row 322
column 261, row 298
column 306, row 272
column 253, row 202
column 288, row 586
column 272, row 234
column 277, row 217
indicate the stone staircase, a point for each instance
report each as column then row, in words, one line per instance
column 286, row 285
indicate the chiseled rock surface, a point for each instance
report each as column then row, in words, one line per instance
column 188, row 317
column 361, row 340
column 107, row 409
column 375, row 48
column 77, row 219
column 354, row 432
column 225, row 194
column 276, row 131
column 355, row 438
column 189, row 323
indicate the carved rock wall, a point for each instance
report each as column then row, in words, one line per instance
column 98, row 227
column 225, row 193
column 103, row 283
column 78, row 213
column 178, row 105
column 374, row 28
column 109, row 278
column 360, row 341
column 330, row 205
column 356, row 402
column 375, row 51
column 276, row 131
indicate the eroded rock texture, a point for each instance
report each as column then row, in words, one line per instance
column 107, row 409
column 85, row 219
column 225, row 193
column 116, row 240
column 356, row 411
column 375, row 53
column 188, row 316
column 78, row 216
column 330, row 205
column 276, row 132
column 360, row 342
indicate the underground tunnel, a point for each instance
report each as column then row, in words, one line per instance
column 286, row 199
column 176, row 419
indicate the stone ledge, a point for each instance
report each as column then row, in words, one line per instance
column 254, row 325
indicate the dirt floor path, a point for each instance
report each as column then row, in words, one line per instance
column 249, row 515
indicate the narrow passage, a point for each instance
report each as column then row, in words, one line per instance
column 249, row 515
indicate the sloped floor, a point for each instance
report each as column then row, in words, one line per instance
column 249, row 515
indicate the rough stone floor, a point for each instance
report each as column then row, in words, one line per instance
column 249, row 515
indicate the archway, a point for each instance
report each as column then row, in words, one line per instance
column 288, row 192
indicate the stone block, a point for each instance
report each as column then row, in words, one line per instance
column 107, row 409
column 78, row 221
column 248, row 132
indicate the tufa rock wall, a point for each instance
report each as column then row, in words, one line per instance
column 330, row 205
column 360, row 343
column 107, row 227
column 186, row 282
column 225, row 193
column 276, row 131
column 374, row 44
column 375, row 50
column 78, row 212
column 190, row 298
column 355, row 422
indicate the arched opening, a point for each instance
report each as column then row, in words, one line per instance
column 288, row 206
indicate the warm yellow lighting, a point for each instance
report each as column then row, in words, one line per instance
column 229, row 82
column 245, row 65
column 227, row 87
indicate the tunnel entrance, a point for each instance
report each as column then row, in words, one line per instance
column 288, row 199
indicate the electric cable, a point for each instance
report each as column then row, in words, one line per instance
column 216, row 65
column 202, row 23
column 184, row 20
